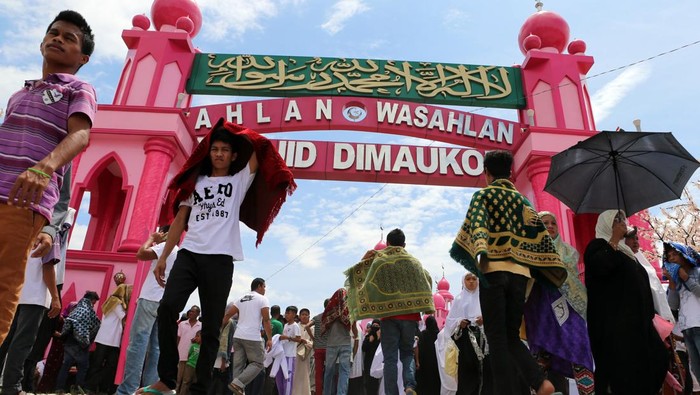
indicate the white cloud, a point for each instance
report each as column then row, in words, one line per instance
column 456, row 19
column 12, row 80
column 77, row 237
column 604, row 101
column 227, row 18
column 341, row 12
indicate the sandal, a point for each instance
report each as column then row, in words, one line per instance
column 153, row 391
column 236, row 389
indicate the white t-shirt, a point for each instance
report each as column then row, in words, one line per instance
column 290, row 347
column 186, row 332
column 150, row 289
column 110, row 332
column 250, row 316
column 689, row 312
column 213, row 227
column 35, row 291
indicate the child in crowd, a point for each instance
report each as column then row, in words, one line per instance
column 290, row 337
column 190, row 374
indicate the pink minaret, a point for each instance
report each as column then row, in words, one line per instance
column 557, row 116
column 137, row 144
column 443, row 301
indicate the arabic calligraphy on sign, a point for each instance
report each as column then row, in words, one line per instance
column 304, row 76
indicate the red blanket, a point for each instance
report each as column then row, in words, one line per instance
column 272, row 183
column 337, row 309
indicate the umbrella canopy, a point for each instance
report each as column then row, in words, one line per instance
column 620, row 170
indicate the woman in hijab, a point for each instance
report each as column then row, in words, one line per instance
column 369, row 348
column 630, row 357
column 427, row 376
column 555, row 322
column 464, row 329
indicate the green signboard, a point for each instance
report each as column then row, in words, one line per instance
column 428, row 82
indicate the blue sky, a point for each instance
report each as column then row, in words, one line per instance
column 326, row 226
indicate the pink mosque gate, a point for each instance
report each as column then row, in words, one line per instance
column 141, row 140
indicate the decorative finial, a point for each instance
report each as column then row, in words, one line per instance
column 637, row 124
column 443, row 270
column 538, row 6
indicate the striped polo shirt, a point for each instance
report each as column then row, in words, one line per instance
column 36, row 121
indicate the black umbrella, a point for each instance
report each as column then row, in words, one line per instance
column 626, row 170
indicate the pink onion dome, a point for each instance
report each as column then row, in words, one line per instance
column 549, row 26
column 168, row 12
column 443, row 284
column 532, row 42
column 141, row 21
column 577, row 47
column 185, row 23
column 380, row 246
column 439, row 302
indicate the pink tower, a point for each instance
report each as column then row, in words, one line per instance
column 136, row 143
column 557, row 116
column 445, row 297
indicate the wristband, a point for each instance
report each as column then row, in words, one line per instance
column 39, row 172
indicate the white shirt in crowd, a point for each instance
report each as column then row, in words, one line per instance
column 249, row 315
column 150, row 289
column 186, row 332
column 290, row 347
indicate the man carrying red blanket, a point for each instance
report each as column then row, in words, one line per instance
column 233, row 174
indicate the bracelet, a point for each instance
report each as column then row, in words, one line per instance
column 39, row 172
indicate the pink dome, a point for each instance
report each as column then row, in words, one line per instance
column 380, row 246
column 532, row 42
column 185, row 23
column 141, row 21
column 439, row 302
column 443, row 285
column 577, row 46
column 550, row 27
column 167, row 12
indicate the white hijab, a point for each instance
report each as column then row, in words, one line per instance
column 657, row 290
column 603, row 230
column 465, row 306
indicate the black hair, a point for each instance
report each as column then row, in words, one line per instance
column 304, row 310
column 396, row 238
column 325, row 302
column 291, row 308
column 275, row 310
column 256, row 283
column 72, row 17
column 92, row 295
column 498, row 163
column 164, row 229
column 218, row 134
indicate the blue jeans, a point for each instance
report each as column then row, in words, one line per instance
column 398, row 337
column 342, row 355
column 143, row 340
column 73, row 354
column 691, row 336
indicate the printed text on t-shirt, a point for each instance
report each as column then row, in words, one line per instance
column 208, row 205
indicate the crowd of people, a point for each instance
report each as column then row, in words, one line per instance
column 523, row 322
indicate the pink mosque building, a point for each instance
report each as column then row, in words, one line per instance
column 142, row 138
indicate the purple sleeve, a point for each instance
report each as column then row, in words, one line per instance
column 54, row 255
column 83, row 100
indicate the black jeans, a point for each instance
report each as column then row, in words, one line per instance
column 502, row 309
column 212, row 275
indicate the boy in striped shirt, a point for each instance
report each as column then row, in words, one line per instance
column 47, row 124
